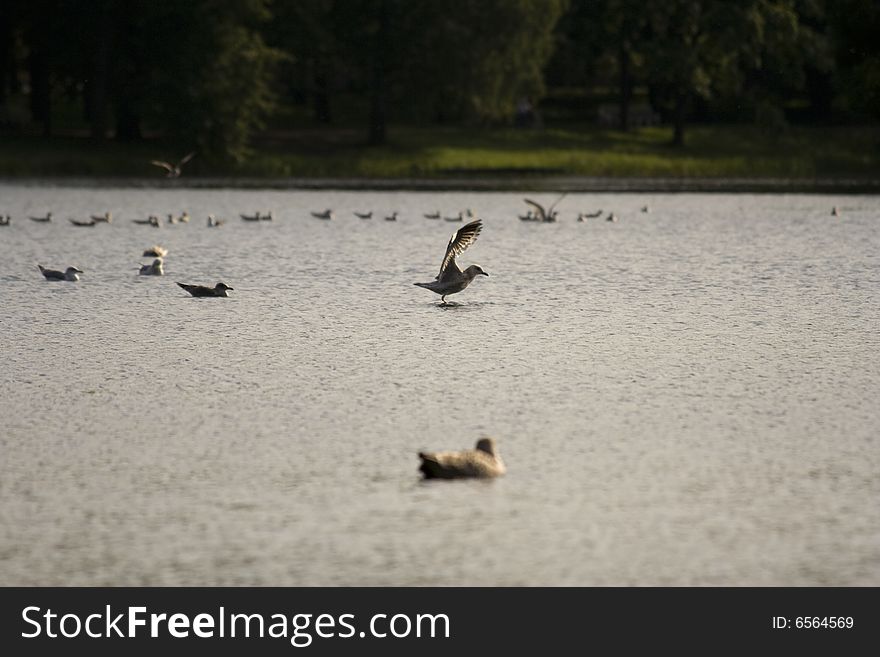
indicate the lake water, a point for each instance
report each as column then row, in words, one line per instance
column 689, row 396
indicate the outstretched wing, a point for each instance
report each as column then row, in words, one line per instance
column 164, row 165
column 540, row 208
column 186, row 158
column 461, row 239
column 556, row 202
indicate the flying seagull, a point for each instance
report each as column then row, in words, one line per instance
column 542, row 214
column 69, row 274
column 173, row 170
column 484, row 461
column 218, row 290
column 451, row 279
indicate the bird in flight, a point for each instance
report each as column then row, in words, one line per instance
column 545, row 214
column 173, row 170
column 451, row 279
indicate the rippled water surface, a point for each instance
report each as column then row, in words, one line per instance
column 686, row 397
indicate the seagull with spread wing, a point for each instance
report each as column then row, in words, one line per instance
column 173, row 170
column 544, row 215
column 451, row 279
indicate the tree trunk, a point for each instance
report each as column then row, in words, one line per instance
column 40, row 101
column 98, row 85
column 378, row 93
column 322, row 99
column 678, row 119
column 625, row 85
column 128, row 123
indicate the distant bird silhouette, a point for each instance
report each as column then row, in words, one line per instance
column 482, row 462
column 218, row 290
column 152, row 220
column 213, row 223
column 646, row 209
column 172, row 219
column 546, row 215
column 267, row 217
column 76, row 222
column 451, row 279
column 460, row 217
column 153, row 269
column 69, row 274
column 248, row 217
column 5, row 221
column 611, row 217
column 528, row 216
column 391, row 217
column 592, row 215
column 173, row 170
column 184, row 218
column 45, row 219
column 432, row 215
column 105, row 218
column 326, row 214
column 835, row 212
column 156, row 251
column 364, row 215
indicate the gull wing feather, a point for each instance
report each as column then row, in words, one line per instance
column 460, row 240
column 186, row 158
column 556, row 203
column 164, row 165
column 538, row 207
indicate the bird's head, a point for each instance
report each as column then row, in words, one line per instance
column 221, row 287
column 474, row 270
column 487, row 445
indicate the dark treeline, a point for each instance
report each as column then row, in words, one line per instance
column 209, row 73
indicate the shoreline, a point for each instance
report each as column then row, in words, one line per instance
column 569, row 184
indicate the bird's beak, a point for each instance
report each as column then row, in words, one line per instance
column 485, row 274
column 230, row 288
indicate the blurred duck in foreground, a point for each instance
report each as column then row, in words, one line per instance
column 483, row 462
column 156, row 251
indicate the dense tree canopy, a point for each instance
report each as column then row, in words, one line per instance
column 209, row 73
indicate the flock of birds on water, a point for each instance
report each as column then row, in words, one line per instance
column 484, row 461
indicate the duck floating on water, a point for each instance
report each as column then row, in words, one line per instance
column 218, row 290
column 153, row 269
column 484, row 462
column 69, row 274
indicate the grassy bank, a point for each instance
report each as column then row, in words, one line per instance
column 711, row 151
